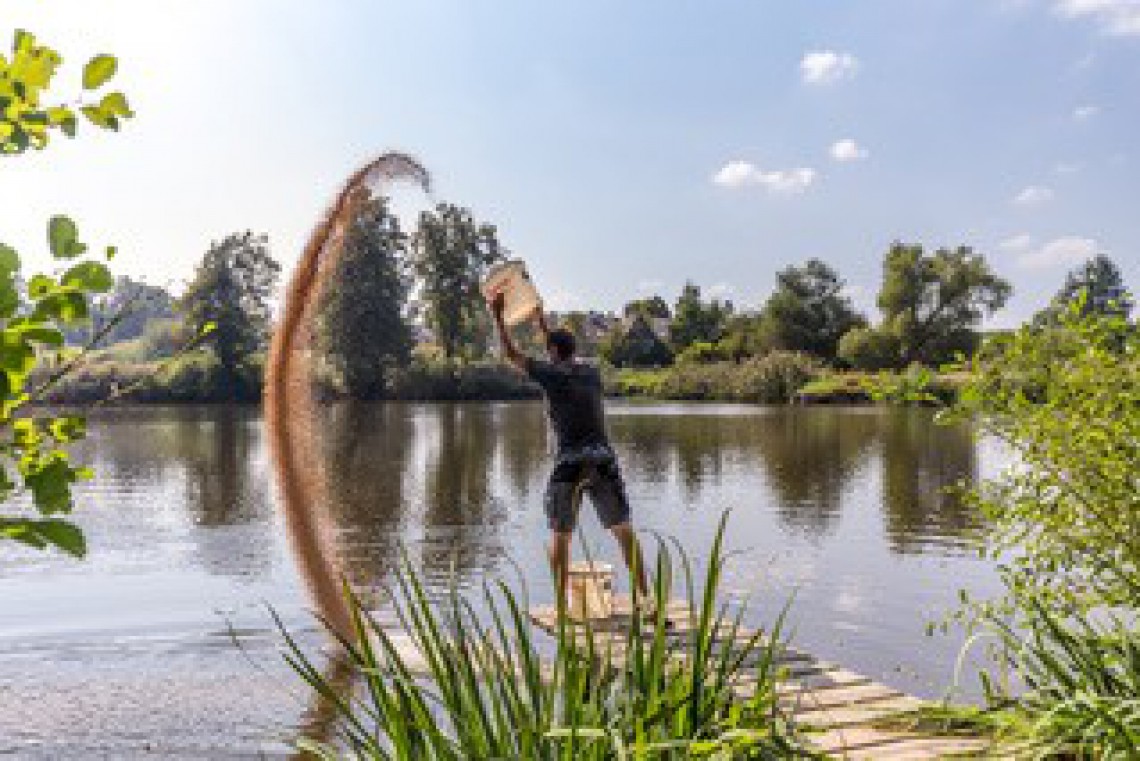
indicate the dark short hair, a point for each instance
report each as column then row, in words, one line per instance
column 562, row 342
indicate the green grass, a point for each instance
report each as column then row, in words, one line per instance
column 489, row 693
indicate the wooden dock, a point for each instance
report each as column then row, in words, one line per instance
column 837, row 708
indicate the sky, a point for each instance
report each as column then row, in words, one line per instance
column 620, row 148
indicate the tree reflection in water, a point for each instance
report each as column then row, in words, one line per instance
column 921, row 461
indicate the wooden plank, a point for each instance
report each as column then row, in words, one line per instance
column 835, row 698
column 920, row 749
column 837, row 705
column 847, row 716
column 833, row 678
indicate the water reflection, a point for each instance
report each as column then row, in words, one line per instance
column 445, row 478
column 367, row 451
column 812, row 458
column 461, row 511
column 921, row 464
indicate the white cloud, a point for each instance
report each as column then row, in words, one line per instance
column 824, row 67
column 650, row 286
column 721, row 290
column 1118, row 17
column 1017, row 243
column 1066, row 251
column 1034, row 195
column 848, row 150
column 1084, row 113
column 738, row 174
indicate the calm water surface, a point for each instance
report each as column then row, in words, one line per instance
column 132, row 652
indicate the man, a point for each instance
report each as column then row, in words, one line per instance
column 585, row 460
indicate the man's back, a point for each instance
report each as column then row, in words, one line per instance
column 573, row 393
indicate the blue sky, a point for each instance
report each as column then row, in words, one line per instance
column 621, row 147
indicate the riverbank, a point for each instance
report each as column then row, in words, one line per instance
column 778, row 378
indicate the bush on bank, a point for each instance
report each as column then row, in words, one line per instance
column 772, row 379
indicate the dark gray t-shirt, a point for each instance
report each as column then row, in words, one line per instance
column 574, row 402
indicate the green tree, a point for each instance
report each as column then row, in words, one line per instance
column 808, row 311
column 745, row 335
column 33, row 455
column 869, row 349
column 654, row 306
column 451, row 254
column 124, row 313
column 695, row 320
column 364, row 322
column 229, row 298
column 932, row 303
column 635, row 346
column 1096, row 286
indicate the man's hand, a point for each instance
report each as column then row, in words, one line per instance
column 540, row 320
column 498, row 304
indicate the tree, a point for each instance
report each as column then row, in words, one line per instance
column 124, row 313
column 694, row 320
column 865, row 348
column 451, row 254
column 229, row 299
column 654, row 306
column 364, row 325
column 808, row 311
column 744, row 336
column 1095, row 287
column 635, row 346
column 34, row 457
column 932, row 303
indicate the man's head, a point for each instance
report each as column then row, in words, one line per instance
column 560, row 345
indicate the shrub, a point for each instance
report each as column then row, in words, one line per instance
column 702, row 353
column 869, row 349
column 458, row 381
column 1062, row 524
column 772, row 379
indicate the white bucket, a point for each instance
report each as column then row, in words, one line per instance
column 520, row 296
column 591, row 591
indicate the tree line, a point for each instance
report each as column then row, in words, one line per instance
column 931, row 308
column 403, row 298
column 388, row 283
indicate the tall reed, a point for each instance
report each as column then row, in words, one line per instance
column 707, row 690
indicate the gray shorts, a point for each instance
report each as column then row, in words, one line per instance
column 600, row 480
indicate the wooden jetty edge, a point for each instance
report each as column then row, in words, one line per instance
column 837, row 707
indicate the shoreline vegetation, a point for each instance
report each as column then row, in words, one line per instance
column 778, row 378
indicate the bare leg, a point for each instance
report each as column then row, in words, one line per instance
column 559, row 554
column 631, row 551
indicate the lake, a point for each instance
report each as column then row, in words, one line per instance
column 161, row 641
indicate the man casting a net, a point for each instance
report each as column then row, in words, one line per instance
column 585, row 463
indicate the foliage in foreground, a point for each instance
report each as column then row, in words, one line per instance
column 36, row 311
column 488, row 693
column 1062, row 524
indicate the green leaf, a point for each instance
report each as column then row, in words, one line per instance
column 99, row 71
column 42, row 334
column 98, row 116
column 64, row 535
column 9, row 260
column 89, row 276
column 68, row 429
column 116, row 104
column 63, row 238
column 68, row 307
column 41, row 286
